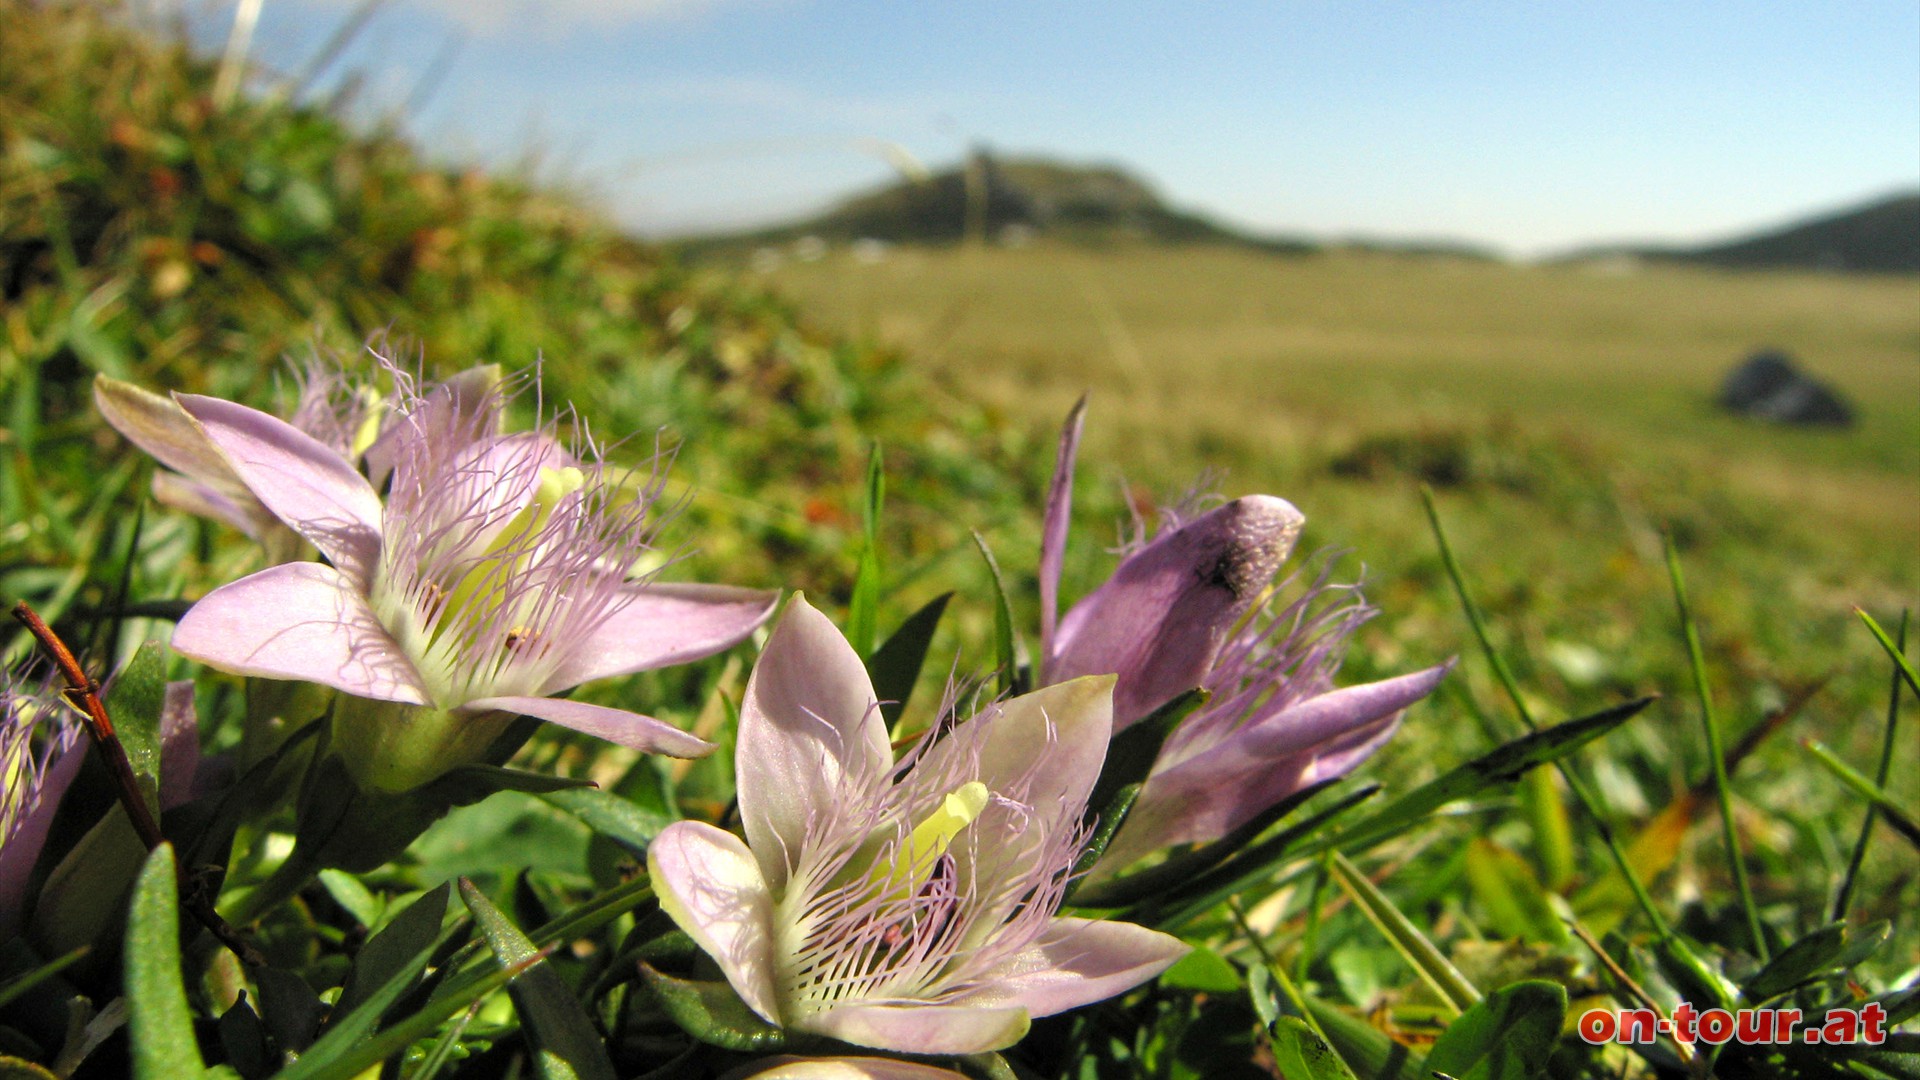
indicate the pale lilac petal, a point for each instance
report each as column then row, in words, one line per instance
column 709, row 885
column 922, row 1029
column 204, row 500
column 810, row 734
column 840, row 1068
column 662, row 625
column 300, row 621
column 629, row 729
column 1160, row 620
column 1312, row 723
column 163, row 429
column 1053, row 533
column 179, row 744
column 1079, row 961
column 311, row 488
column 1044, row 748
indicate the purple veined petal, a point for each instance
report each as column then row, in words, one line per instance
column 179, row 744
column 1044, row 748
column 922, row 1029
column 163, row 429
column 665, row 624
column 207, row 501
column 314, row 490
column 1314, row 722
column 809, row 719
column 1160, row 620
column 300, row 621
column 1053, row 534
column 1075, row 962
column 709, row 884
column 628, row 729
column 840, row 1068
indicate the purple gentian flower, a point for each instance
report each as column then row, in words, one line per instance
column 1193, row 607
column 495, row 572
column 840, row 1068
column 42, row 746
column 906, row 905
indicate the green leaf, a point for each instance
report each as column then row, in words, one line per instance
column 402, row 945
column 1517, row 904
column 290, row 1009
column 1832, row 947
column 627, row 823
column 133, row 704
column 1696, row 980
column 13, row 1068
column 1203, row 970
column 1366, row 1048
column 895, row 665
column 159, row 1023
column 1300, row 1054
column 1131, row 754
column 863, row 619
column 1499, row 768
column 1199, row 892
column 1106, row 827
column 1413, row 946
column 339, row 1056
column 1507, row 1036
column 347, row 891
column 713, row 1013
column 1005, row 654
column 566, row 1045
column 1894, row 653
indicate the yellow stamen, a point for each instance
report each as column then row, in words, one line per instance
column 931, row 838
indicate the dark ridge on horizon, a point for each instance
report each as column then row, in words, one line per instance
column 1881, row 236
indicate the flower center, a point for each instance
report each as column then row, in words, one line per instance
column 914, row 865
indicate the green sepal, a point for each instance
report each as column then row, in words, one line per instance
column 713, row 1013
column 1106, row 827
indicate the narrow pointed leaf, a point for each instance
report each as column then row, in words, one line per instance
column 895, row 665
column 20, row 984
column 1899, row 658
column 713, row 1013
column 400, row 946
column 863, row 607
column 1199, row 895
column 565, row 1043
column 1004, row 653
column 1508, row 1036
column 159, row 1023
column 1299, row 1053
column 349, row 1059
column 623, row 821
column 1835, row 946
column 1406, row 938
column 1131, row 754
column 134, row 704
column 1112, row 816
column 1366, row 1048
column 1506, row 886
column 1498, row 769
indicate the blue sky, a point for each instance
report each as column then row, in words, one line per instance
column 1532, row 127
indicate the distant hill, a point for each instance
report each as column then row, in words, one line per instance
column 1880, row 237
column 1008, row 200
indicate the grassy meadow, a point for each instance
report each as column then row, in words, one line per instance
column 1561, row 416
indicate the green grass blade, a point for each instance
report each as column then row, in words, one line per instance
column 1433, row 968
column 1587, row 801
column 1901, row 821
column 1898, row 654
column 565, row 1044
column 1844, row 898
column 1717, row 753
column 1005, row 655
column 159, row 1023
column 895, row 665
column 20, row 984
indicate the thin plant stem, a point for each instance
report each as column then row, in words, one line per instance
column 1844, row 900
column 1575, row 784
column 1276, row 969
column 1716, row 751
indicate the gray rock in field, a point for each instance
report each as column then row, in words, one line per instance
column 1769, row 386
